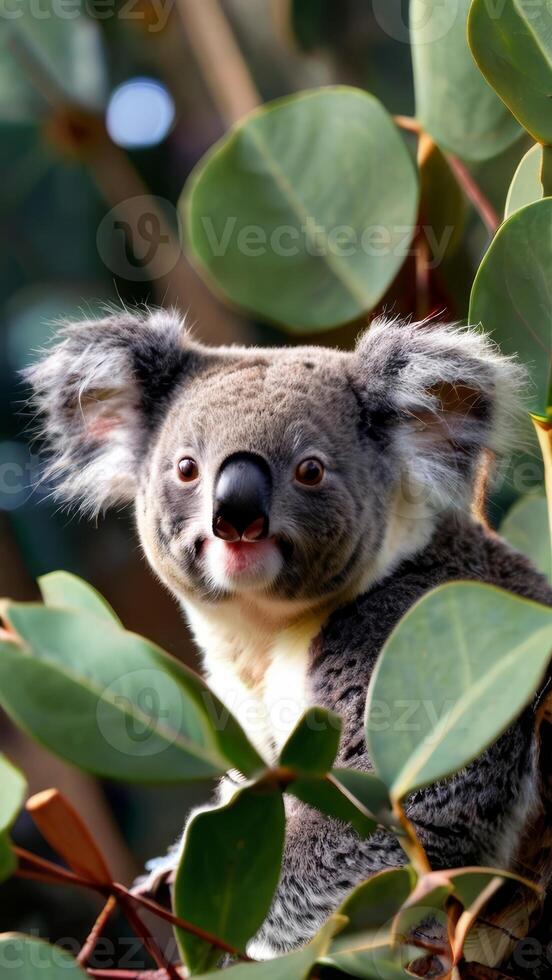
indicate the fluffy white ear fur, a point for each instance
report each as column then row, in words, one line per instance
column 95, row 394
column 447, row 394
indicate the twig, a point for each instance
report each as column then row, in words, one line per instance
column 222, row 64
column 474, row 193
column 42, row 870
column 189, row 927
column 142, row 931
column 410, row 843
column 97, row 930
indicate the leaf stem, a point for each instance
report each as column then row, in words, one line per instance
column 149, row 943
column 189, row 927
column 473, row 192
column 97, row 930
column 410, row 843
column 39, row 869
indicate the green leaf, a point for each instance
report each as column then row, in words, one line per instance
column 293, row 966
column 65, row 591
column 374, row 904
column 312, row 746
column 13, row 789
column 433, row 891
column 512, row 295
column 453, row 102
column 228, row 872
column 8, row 861
column 64, row 56
column 443, row 206
column 525, row 527
column 335, row 229
column 24, row 958
column 513, row 48
column 329, row 798
column 370, row 957
column 112, row 702
column 456, row 671
column 526, row 186
column 368, row 790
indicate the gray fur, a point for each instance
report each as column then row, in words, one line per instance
column 400, row 425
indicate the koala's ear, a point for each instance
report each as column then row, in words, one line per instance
column 99, row 393
column 442, row 394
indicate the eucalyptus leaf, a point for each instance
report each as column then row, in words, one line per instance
column 526, row 528
column 329, row 798
column 370, row 957
column 443, row 206
column 293, row 966
column 62, row 56
column 374, row 904
column 464, row 661
column 304, row 213
column 112, row 702
column 312, row 746
column 13, row 788
column 228, row 872
column 454, row 103
column 512, row 295
column 8, row 861
column 65, row 591
column 513, row 48
column 526, row 186
column 26, row 958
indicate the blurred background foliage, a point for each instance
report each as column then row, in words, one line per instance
column 105, row 108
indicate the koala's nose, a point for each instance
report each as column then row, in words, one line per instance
column 243, row 492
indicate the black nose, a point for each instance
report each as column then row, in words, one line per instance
column 242, row 499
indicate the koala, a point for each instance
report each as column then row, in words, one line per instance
column 297, row 501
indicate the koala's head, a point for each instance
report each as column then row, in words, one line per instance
column 289, row 472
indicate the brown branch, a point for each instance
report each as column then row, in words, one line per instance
column 189, row 927
column 473, row 192
column 149, row 943
column 39, row 869
column 97, row 931
column 222, row 64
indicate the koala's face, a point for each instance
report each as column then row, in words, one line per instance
column 270, row 472
column 264, row 478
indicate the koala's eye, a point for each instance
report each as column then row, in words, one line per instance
column 188, row 470
column 310, row 472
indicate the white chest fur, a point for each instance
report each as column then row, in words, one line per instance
column 259, row 670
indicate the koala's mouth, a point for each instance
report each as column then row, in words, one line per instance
column 244, row 564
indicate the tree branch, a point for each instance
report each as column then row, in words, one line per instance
column 222, row 64
column 474, row 193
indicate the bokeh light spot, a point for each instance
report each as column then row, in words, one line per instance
column 140, row 113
